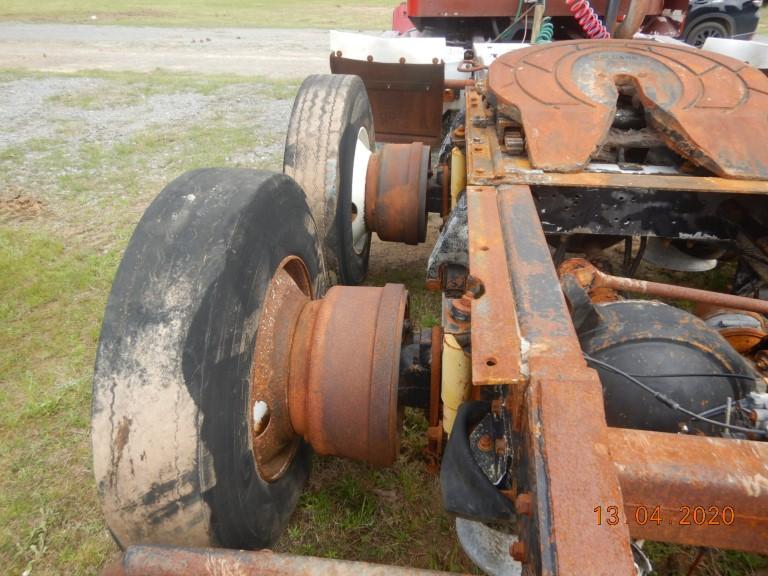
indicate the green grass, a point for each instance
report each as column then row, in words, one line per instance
column 361, row 14
column 762, row 26
column 50, row 302
column 392, row 516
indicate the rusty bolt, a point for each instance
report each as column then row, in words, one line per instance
column 461, row 308
column 524, row 503
column 485, row 443
column 517, row 551
column 501, row 446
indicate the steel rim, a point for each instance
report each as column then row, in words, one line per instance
column 360, row 232
column 273, row 440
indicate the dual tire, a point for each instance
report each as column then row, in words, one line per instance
column 170, row 420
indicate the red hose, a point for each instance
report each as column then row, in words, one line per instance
column 587, row 18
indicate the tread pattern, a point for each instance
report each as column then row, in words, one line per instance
column 326, row 109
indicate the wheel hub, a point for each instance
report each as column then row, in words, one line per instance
column 326, row 371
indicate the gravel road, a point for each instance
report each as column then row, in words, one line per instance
column 269, row 52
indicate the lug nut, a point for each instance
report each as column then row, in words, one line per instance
column 524, row 503
column 485, row 443
column 517, row 551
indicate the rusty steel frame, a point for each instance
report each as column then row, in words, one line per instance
column 167, row 561
column 568, row 461
column 488, row 166
column 677, row 473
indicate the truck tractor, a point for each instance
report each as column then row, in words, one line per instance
column 575, row 409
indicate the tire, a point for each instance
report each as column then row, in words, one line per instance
column 328, row 114
column 171, row 441
column 697, row 35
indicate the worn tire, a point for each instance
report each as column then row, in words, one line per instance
column 327, row 115
column 171, row 442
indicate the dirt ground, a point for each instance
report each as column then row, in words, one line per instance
column 272, row 53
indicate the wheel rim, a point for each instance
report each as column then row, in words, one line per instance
column 322, row 368
column 274, row 442
column 702, row 35
column 360, row 232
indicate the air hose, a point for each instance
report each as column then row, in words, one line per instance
column 587, row 18
column 546, row 32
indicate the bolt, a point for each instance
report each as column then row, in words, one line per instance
column 501, row 446
column 485, row 443
column 517, row 551
column 461, row 308
column 524, row 503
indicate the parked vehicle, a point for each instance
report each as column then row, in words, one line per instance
column 720, row 19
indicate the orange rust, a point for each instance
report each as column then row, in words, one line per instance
column 744, row 339
column 406, row 99
column 563, row 426
column 484, row 443
column 518, row 170
column 495, row 336
column 326, row 370
column 524, row 503
column 458, row 83
column 581, row 269
column 673, row 471
column 517, row 551
column 592, row 278
column 289, row 291
column 345, row 370
column 568, row 91
column 396, row 192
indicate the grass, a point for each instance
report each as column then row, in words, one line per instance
column 762, row 26
column 49, row 325
column 360, row 14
